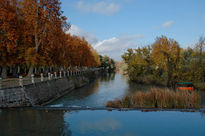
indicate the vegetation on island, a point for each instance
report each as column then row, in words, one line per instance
column 159, row 98
column 166, row 63
column 34, row 38
column 107, row 63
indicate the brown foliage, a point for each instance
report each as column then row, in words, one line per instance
column 33, row 32
column 159, row 98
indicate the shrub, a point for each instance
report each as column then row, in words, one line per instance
column 158, row 98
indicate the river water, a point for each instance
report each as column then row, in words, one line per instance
column 107, row 87
column 64, row 122
column 30, row 122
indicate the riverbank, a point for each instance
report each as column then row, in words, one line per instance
column 151, row 80
column 159, row 98
column 42, row 93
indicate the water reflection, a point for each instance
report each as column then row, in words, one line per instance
column 100, row 123
column 136, row 123
column 107, row 77
column 32, row 123
column 109, row 86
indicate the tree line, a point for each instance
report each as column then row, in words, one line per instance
column 166, row 63
column 33, row 38
column 107, row 63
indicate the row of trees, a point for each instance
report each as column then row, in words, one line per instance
column 107, row 63
column 33, row 36
column 166, row 63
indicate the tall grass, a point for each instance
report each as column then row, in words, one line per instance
column 158, row 98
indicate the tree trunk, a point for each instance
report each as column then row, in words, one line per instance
column 14, row 73
column 4, row 71
column 11, row 70
column 19, row 69
column 50, row 69
column 35, row 70
column 30, row 72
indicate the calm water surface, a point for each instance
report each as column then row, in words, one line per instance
column 50, row 122
column 107, row 87
column 30, row 122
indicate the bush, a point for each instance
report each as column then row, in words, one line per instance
column 159, row 98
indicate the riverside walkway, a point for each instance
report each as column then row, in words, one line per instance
column 22, row 81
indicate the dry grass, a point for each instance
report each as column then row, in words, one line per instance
column 159, row 98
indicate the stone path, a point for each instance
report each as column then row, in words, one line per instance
column 16, row 82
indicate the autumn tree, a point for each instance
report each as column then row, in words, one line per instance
column 107, row 63
column 199, row 60
column 33, row 36
column 139, row 63
column 127, row 55
column 96, row 56
column 9, row 34
column 43, row 19
column 155, row 64
column 187, row 65
column 166, row 56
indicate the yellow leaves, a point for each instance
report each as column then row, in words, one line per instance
column 31, row 56
column 34, row 33
column 165, row 51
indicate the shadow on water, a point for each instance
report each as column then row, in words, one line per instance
column 33, row 122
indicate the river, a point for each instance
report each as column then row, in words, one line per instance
column 33, row 122
column 51, row 120
column 107, row 87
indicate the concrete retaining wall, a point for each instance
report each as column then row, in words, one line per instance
column 43, row 92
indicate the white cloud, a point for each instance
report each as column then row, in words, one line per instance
column 167, row 24
column 113, row 47
column 99, row 125
column 75, row 30
column 116, row 46
column 102, row 7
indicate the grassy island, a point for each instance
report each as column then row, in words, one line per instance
column 159, row 98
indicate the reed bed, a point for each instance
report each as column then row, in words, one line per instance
column 159, row 98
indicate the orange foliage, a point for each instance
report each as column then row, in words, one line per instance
column 8, row 31
column 33, row 32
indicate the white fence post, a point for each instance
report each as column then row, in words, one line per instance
column 32, row 79
column 55, row 75
column 41, row 77
column 21, row 81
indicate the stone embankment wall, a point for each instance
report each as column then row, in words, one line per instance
column 42, row 93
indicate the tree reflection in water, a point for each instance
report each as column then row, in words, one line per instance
column 50, row 122
column 33, row 123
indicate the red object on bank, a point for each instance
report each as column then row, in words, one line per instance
column 185, row 86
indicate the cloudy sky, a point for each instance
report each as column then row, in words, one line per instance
column 113, row 26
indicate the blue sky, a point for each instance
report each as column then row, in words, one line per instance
column 112, row 26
